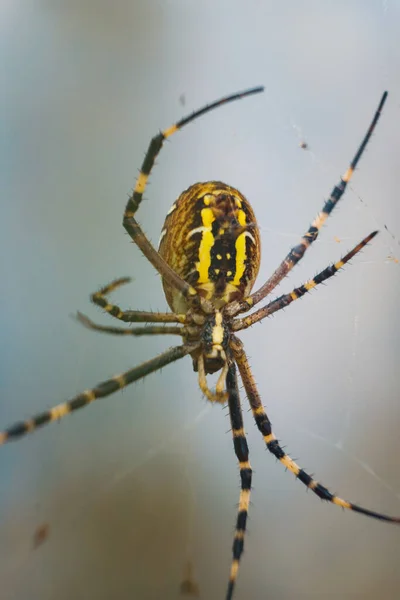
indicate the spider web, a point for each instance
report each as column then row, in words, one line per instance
column 177, row 445
column 143, row 508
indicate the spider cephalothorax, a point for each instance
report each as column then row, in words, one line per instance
column 213, row 354
column 208, row 259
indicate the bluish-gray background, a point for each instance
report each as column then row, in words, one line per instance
column 136, row 486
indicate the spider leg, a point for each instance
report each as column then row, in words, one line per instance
column 129, row 221
column 105, row 388
column 131, row 316
column 219, row 395
column 242, row 453
column 297, row 253
column 136, row 331
column 286, row 299
column 264, row 425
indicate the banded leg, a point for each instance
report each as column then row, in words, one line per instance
column 242, row 453
column 131, row 316
column 297, row 253
column 264, row 425
column 129, row 221
column 297, row 293
column 101, row 390
column 136, row 331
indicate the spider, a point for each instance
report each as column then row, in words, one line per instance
column 208, row 259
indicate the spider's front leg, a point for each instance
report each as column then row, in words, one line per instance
column 286, row 299
column 242, row 454
column 132, row 226
column 297, row 253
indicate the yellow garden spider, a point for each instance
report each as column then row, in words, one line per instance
column 208, row 258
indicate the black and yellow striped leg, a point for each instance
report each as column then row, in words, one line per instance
column 131, row 316
column 135, row 331
column 129, row 221
column 242, row 453
column 297, row 253
column 286, row 299
column 101, row 390
column 264, row 425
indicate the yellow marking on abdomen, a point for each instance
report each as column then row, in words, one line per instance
column 194, row 231
column 207, row 242
column 240, row 246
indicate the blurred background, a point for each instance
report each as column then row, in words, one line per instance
column 139, row 487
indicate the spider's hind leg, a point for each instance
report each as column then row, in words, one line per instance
column 242, row 453
column 132, row 226
column 264, row 426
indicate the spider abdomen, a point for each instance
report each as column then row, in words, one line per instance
column 211, row 239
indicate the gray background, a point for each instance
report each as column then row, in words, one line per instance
column 136, row 486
